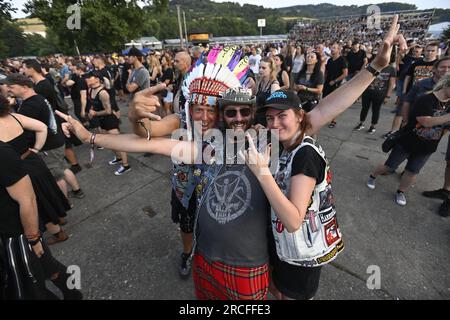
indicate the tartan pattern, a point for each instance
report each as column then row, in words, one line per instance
column 218, row 281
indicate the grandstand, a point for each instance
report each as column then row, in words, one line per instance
column 413, row 25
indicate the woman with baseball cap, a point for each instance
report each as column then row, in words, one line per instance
column 306, row 235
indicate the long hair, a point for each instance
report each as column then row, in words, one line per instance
column 273, row 69
column 304, row 125
column 316, row 70
column 4, row 106
column 283, row 62
column 443, row 83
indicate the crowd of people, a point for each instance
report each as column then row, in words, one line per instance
column 245, row 229
column 364, row 27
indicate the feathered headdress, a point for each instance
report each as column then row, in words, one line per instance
column 214, row 73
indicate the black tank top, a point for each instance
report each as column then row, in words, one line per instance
column 19, row 143
column 95, row 102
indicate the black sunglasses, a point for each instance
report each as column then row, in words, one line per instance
column 231, row 113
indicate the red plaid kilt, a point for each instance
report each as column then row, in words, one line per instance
column 218, row 281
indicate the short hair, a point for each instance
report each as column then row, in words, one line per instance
column 33, row 64
column 439, row 61
column 432, row 44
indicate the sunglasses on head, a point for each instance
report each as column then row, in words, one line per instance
column 231, row 113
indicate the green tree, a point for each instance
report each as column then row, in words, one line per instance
column 105, row 24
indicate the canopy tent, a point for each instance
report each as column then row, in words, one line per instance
column 144, row 51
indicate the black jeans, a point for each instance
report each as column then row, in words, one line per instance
column 374, row 98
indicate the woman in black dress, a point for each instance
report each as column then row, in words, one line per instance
column 52, row 204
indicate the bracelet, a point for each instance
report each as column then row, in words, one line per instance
column 34, row 242
column 33, row 236
column 148, row 131
column 35, row 150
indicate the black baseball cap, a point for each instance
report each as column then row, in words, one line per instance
column 236, row 97
column 282, row 100
column 95, row 74
column 18, row 79
column 135, row 52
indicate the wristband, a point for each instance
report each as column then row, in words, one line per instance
column 34, row 242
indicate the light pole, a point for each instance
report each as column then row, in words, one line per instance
column 185, row 29
column 179, row 26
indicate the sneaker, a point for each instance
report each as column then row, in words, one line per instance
column 387, row 135
column 371, row 183
column 79, row 194
column 75, row 168
column 57, row 237
column 185, row 267
column 332, row 124
column 122, row 170
column 400, row 199
column 437, row 194
column 444, row 209
column 371, row 130
column 359, row 127
column 115, row 161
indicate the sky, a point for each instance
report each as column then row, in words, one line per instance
column 421, row 4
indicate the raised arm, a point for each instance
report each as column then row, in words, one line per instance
column 182, row 151
column 341, row 99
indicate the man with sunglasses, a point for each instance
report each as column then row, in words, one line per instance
column 230, row 229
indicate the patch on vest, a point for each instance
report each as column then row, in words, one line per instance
column 229, row 197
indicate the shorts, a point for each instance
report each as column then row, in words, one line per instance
column 169, row 97
column 185, row 217
column 55, row 162
column 447, row 155
column 416, row 161
column 217, row 281
column 109, row 122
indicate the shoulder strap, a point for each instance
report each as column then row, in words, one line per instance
column 17, row 120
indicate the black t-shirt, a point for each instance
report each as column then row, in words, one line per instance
column 78, row 86
column 45, row 89
column 168, row 75
column 420, row 70
column 313, row 82
column 334, row 69
column 381, row 83
column 11, row 171
column 123, row 71
column 355, row 61
column 407, row 60
column 49, row 77
column 420, row 139
column 37, row 107
column 308, row 162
